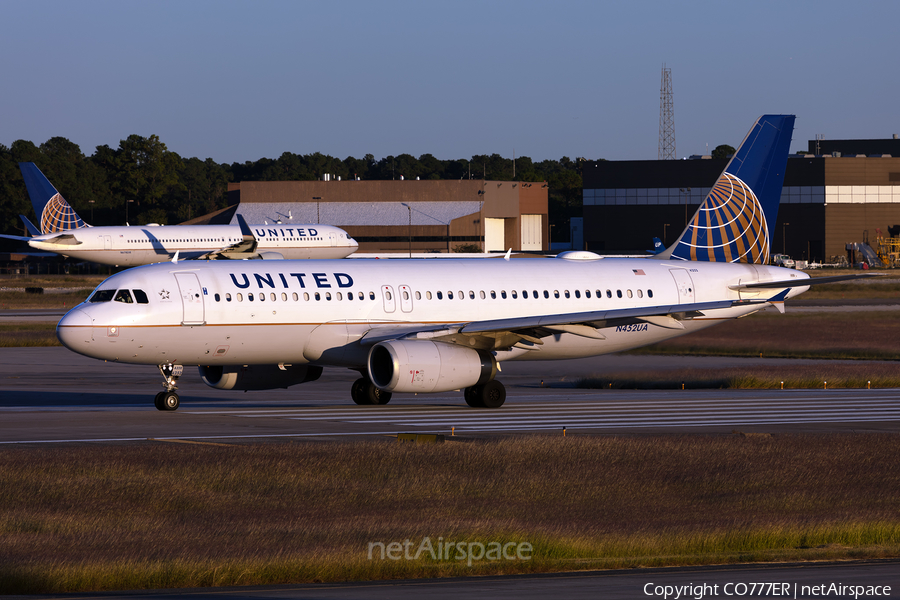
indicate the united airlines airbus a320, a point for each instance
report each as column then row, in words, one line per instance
column 441, row 325
column 63, row 232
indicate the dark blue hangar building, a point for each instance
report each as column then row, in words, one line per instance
column 839, row 191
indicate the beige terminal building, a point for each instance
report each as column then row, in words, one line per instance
column 404, row 215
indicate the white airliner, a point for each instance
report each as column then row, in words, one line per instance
column 440, row 325
column 63, row 232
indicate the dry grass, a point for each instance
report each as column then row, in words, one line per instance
column 856, row 335
column 24, row 335
column 861, row 375
column 22, row 300
column 158, row 515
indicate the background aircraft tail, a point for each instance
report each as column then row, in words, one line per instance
column 735, row 221
column 53, row 212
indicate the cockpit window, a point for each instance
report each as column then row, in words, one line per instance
column 124, row 296
column 102, row 296
column 141, row 297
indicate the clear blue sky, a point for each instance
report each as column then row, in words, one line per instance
column 240, row 80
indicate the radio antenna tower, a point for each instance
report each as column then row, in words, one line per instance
column 666, row 117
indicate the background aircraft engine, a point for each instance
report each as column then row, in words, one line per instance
column 426, row 366
column 257, row 377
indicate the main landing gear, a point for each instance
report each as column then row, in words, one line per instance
column 489, row 395
column 364, row 392
column 169, row 400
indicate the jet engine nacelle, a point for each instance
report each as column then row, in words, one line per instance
column 257, row 377
column 427, row 366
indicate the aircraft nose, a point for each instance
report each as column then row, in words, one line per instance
column 74, row 329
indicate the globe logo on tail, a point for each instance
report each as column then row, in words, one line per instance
column 729, row 227
column 59, row 216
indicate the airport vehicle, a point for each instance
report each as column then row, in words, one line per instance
column 436, row 326
column 783, row 260
column 63, row 232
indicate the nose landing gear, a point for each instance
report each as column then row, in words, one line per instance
column 169, row 400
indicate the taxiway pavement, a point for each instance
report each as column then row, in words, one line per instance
column 51, row 395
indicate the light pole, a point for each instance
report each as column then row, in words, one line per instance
column 91, row 202
column 127, row 202
column 317, row 199
column 409, row 226
column 783, row 238
column 665, row 239
column 447, row 223
column 687, row 194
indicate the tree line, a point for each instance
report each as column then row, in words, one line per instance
column 142, row 182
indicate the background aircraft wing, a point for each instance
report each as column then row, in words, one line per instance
column 246, row 248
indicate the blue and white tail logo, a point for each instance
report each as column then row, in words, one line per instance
column 735, row 221
column 51, row 209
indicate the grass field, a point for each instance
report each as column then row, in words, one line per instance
column 172, row 515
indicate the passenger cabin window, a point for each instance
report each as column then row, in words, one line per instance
column 124, row 296
column 103, row 296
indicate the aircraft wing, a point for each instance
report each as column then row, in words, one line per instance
column 803, row 282
column 496, row 333
column 246, row 248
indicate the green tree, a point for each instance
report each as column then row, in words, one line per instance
column 723, row 151
column 147, row 170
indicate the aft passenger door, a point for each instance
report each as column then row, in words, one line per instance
column 191, row 298
column 684, row 284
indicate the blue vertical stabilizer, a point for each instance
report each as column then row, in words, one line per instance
column 735, row 221
column 53, row 212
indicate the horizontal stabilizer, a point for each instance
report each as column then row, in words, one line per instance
column 20, row 238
